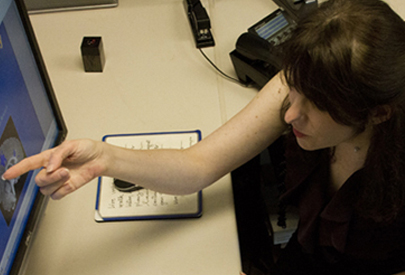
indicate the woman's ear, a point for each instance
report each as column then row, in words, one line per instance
column 381, row 113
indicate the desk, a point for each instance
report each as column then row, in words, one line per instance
column 154, row 80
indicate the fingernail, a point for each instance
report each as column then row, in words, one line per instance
column 64, row 173
column 2, row 178
column 49, row 169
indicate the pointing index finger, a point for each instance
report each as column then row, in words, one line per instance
column 26, row 165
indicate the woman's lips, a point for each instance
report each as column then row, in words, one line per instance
column 298, row 134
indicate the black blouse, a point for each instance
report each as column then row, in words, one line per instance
column 329, row 226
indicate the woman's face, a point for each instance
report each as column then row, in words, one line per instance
column 315, row 129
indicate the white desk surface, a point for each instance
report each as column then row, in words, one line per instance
column 154, row 80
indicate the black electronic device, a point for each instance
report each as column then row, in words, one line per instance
column 125, row 186
column 258, row 54
column 200, row 23
column 93, row 54
column 297, row 9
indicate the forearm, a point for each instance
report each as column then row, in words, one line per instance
column 192, row 169
column 168, row 171
column 74, row 163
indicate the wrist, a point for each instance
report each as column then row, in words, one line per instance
column 105, row 157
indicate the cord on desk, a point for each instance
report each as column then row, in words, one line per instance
column 222, row 73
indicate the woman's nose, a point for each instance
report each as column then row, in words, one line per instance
column 293, row 114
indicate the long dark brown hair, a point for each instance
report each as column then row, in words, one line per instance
column 348, row 58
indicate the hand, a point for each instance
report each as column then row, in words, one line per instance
column 66, row 167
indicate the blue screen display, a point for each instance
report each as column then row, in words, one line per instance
column 272, row 27
column 27, row 126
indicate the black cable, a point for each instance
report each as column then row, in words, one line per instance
column 221, row 72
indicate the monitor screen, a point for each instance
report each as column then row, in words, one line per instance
column 30, row 122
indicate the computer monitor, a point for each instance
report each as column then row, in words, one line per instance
column 30, row 122
column 40, row 6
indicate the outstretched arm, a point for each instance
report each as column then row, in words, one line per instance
column 74, row 163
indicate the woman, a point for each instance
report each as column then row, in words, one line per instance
column 342, row 94
column 350, row 193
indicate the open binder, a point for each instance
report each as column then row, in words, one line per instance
column 144, row 204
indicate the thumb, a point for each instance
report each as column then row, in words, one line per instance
column 58, row 155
